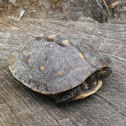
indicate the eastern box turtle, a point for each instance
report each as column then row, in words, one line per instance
column 56, row 67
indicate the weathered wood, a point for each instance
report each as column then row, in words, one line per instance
column 21, row 106
column 63, row 10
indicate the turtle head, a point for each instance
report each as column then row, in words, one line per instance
column 98, row 75
column 104, row 73
column 93, row 83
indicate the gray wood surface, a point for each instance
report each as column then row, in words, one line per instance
column 20, row 106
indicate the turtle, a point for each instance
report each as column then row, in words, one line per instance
column 57, row 67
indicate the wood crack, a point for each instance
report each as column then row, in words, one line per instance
column 12, row 110
column 113, row 106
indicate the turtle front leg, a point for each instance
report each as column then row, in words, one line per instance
column 67, row 95
column 82, row 95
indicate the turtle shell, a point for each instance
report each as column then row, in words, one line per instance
column 51, row 66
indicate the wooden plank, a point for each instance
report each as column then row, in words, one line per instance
column 25, row 107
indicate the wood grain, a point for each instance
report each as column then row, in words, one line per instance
column 20, row 106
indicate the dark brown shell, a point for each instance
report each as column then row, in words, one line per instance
column 50, row 68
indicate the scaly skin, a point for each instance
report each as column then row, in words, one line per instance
column 67, row 95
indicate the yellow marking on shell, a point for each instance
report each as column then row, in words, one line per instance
column 12, row 61
column 52, row 36
column 26, row 84
column 29, row 60
column 13, row 71
column 65, row 42
column 39, row 37
column 12, row 56
column 42, row 68
column 24, row 52
column 81, row 55
column 59, row 73
column 44, row 93
column 23, row 81
column 35, row 89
